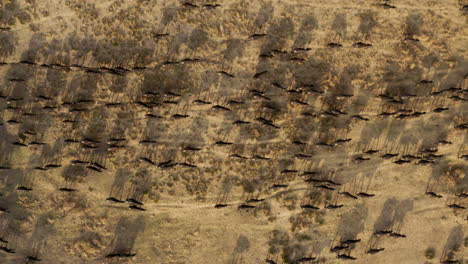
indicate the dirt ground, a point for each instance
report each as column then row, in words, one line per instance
column 237, row 132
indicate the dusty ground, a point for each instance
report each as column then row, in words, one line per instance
column 322, row 131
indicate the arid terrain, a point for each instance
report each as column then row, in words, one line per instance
column 233, row 131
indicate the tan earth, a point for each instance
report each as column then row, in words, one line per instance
column 238, row 132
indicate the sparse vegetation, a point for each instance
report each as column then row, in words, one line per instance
column 430, row 253
column 186, row 131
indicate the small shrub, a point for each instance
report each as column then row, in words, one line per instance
column 430, row 253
